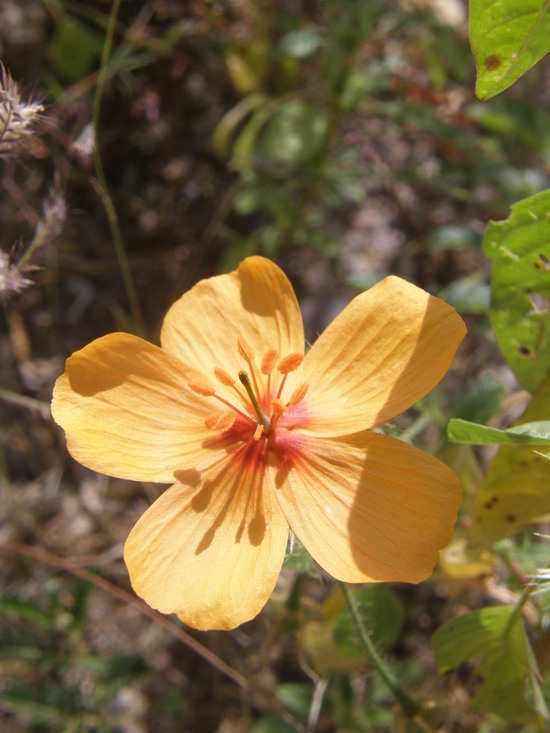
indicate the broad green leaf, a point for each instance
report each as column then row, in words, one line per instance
column 382, row 613
column 515, row 489
column 520, row 250
column 506, row 664
column 533, row 433
column 296, row 134
column 507, row 38
column 74, row 50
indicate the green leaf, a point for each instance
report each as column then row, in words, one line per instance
column 507, row 664
column 507, row 38
column 301, row 44
column 296, row 697
column 296, row 134
column 533, row 433
column 469, row 294
column 520, row 250
column 221, row 138
column 272, row 723
column 74, row 50
column 28, row 610
column 382, row 613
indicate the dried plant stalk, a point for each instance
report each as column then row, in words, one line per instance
column 17, row 117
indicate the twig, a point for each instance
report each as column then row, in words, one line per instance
column 49, row 558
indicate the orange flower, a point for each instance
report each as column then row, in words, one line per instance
column 258, row 439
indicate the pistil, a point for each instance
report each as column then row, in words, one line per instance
column 263, row 420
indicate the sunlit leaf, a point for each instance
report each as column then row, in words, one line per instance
column 507, row 664
column 534, row 433
column 460, row 560
column 507, row 38
column 302, row 43
column 520, row 250
column 515, row 490
column 322, row 654
column 296, row 133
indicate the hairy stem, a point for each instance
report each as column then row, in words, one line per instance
column 409, row 706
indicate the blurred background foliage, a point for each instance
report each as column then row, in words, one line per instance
column 344, row 140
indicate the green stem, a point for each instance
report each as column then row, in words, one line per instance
column 409, row 706
column 519, row 607
column 102, row 182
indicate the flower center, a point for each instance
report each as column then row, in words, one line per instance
column 259, row 404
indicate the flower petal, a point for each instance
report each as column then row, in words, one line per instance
column 126, row 413
column 255, row 302
column 211, row 547
column 369, row 507
column 385, row 351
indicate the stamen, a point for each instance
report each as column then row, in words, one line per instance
column 205, row 391
column 211, row 421
column 268, row 362
column 248, row 355
column 202, row 389
column 290, row 363
column 225, row 421
column 277, row 407
column 299, row 394
column 258, row 432
column 245, row 381
column 244, row 350
column 285, row 366
column 223, row 377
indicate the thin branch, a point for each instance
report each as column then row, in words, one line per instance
column 49, row 558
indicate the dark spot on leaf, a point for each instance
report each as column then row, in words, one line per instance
column 491, row 502
column 492, row 61
column 524, row 351
column 510, row 517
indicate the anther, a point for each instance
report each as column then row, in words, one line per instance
column 299, row 393
column 202, row 389
column 268, row 362
column 258, row 432
column 220, row 421
column 290, row 363
column 277, row 407
column 244, row 350
column 223, row 377
column 225, row 421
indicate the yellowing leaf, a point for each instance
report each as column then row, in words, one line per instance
column 516, row 487
column 459, row 561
